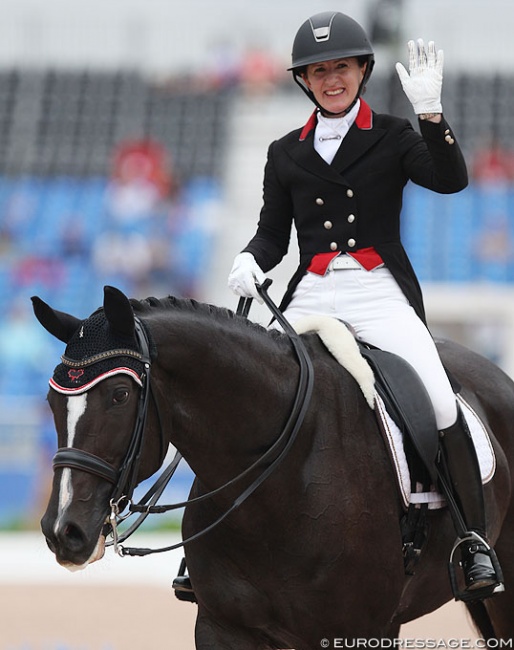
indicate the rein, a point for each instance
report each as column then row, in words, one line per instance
column 288, row 436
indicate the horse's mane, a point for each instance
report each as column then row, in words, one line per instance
column 151, row 305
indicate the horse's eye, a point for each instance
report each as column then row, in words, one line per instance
column 120, row 396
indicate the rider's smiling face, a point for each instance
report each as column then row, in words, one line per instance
column 335, row 83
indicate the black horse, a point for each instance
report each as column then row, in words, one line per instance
column 315, row 552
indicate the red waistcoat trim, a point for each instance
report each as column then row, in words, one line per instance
column 368, row 258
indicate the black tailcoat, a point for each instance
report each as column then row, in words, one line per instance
column 356, row 201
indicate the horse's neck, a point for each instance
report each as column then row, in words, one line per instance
column 226, row 393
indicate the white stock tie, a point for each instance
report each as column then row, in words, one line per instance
column 330, row 132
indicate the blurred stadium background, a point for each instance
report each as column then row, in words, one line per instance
column 133, row 138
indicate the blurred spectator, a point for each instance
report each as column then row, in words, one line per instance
column 42, row 475
column 494, row 164
column 38, row 271
column 123, row 257
column 493, row 249
column 224, row 67
column 73, row 242
column 26, row 359
column 7, row 245
column 20, row 207
column 141, row 180
column 142, row 192
column 259, row 71
column 191, row 236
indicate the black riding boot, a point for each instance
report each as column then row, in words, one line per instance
column 459, row 457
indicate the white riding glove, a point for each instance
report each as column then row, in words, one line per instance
column 424, row 84
column 243, row 276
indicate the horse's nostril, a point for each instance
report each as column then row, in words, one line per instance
column 72, row 532
column 71, row 536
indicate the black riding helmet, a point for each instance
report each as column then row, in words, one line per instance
column 326, row 36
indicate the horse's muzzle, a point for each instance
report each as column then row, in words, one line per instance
column 72, row 547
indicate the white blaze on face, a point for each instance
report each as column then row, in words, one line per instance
column 76, row 408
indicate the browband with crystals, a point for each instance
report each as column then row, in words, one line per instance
column 121, row 352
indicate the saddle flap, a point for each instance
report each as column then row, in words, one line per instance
column 407, row 401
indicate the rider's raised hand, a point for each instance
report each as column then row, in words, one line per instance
column 423, row 83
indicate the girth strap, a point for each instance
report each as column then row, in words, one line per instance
column 83, row 460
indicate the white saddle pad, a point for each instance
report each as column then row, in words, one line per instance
column 481, row 440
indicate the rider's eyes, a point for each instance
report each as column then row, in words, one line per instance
column 120, row 396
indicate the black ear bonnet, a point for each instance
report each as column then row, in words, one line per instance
column 94, row 353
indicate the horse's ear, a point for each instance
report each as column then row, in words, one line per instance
column 118, row 311
column 62, row 326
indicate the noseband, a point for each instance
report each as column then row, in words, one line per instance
column 123, row 479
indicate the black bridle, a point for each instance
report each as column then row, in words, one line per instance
column 125, row 478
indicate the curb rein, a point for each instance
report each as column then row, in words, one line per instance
column 147, row 505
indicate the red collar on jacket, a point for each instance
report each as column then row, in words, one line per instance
column 364, row 120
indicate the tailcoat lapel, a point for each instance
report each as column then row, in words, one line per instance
column 304, row 154
column 356, row 143
column 362, row 135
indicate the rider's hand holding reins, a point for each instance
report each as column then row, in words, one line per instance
column 243, row 276
column 424, row 83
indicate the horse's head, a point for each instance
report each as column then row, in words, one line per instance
column 96, row 395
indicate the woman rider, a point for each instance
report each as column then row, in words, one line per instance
column 340, row 179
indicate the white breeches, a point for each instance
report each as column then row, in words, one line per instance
column 374, row 305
